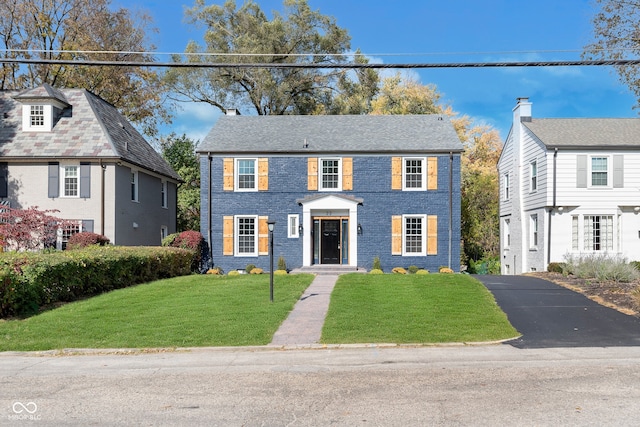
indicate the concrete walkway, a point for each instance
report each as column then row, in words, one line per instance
column 303, row 327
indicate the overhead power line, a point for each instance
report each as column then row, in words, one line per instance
column 499, row 64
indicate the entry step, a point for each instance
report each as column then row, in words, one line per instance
column 329, row 269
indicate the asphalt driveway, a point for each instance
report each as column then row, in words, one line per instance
column 548, row 315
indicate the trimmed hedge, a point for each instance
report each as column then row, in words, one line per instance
column 29, row 281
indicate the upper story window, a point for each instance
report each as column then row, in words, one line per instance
column 70, row 181
column 414, row 173
column 533, row 172
column 246, row 175
column 507, row 186
column 163, row 193
column 330, row 177
column 36, row 116
column 134, row 186
column 599, row 172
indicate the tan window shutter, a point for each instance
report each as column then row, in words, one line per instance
column 227, row 174
column 227, row 235
column 347, row 173
column 396, row 235
column 432, row 234
column 432, row 173
column 312, row 172
column 396, row 173
column 263, row 174
column 263, row 235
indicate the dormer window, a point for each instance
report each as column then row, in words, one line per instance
column 36, row 117
column 41, row 108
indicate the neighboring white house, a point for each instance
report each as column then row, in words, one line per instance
column 568, row 187
column 70, row 150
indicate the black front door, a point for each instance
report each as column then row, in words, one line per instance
column 330, row 245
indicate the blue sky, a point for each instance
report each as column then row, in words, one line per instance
column 450, row 31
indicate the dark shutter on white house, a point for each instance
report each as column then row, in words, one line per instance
column 54, row 179
column 618, row 171
column 85, row 180
column 581, row 177
column 4, row 179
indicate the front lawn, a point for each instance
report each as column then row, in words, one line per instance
column 394, row 308
column 188, row 311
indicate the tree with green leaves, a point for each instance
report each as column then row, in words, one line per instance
column 616, row 29
column 180, row 153
column 300, row 35
column 83, row 30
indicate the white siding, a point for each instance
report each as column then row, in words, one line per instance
column 533, row 150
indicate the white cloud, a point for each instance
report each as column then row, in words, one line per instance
column 194, row 119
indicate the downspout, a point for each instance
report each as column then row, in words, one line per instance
column 102, row 195
column 450, row 203
column 209, row 225
column 555, row 170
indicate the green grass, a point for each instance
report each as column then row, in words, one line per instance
column 189, row 311
column 435, row 308
column 206, row 310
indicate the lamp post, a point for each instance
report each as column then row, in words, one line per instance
column 271, row 224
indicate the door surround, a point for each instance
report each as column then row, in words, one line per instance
column 325, row 206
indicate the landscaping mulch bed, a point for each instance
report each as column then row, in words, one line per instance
column 616, row 295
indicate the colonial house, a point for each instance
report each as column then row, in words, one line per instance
column 71, row 151
column 342, row 190
column 568, row 187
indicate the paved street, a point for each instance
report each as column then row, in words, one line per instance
column 485, row 385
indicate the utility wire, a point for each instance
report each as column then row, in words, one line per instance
column 500, row 64
column 238, row 54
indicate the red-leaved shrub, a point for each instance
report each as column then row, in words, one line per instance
column 86, row 238
column 193, row 241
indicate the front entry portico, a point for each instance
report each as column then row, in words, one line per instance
column 333, row 224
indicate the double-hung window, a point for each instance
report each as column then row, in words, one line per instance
column 330, row 177
column 134, row 186
column 414, row 234
column 70, row 180
column 246, row 176
column 533, row 172
column 507, row 187
column 163, row 193
column 246, row 235
column 599, row 172
column 414, row 176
